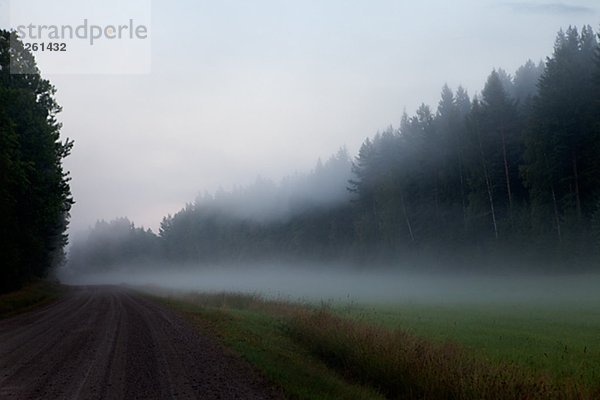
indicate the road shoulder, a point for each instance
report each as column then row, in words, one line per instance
column 30, row 297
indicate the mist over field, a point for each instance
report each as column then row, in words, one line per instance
column 316, row 283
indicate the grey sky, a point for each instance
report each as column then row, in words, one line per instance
column 240, row 89
column 549, row 8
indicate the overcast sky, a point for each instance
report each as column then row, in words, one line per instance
column 239, row 89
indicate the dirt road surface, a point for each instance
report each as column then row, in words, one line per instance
column 108, row 343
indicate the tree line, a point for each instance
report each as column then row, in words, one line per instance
column 35, row 197
column 511, row 174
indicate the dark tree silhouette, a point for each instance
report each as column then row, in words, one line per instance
column 35, row 198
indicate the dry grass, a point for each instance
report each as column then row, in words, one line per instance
column 401, row 365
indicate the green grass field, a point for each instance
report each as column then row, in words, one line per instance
column 560, row 340
column 409, row 350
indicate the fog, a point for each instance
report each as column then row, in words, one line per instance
column 265, row 200
column 314, row 283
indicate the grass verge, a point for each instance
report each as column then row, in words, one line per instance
column 29, row 297
column 259, row 333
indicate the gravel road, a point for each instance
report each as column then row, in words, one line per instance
column 108, row 343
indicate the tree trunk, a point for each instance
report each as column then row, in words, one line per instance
column 406, row 219
column 491, row 197
column 554, row 202
column 462, row 186
column 506, row 174
column 556, row 217
column 576, row 177
column 488, row 186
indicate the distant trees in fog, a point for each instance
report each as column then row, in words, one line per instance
column 513, row 170
column 303, row 213
column 114, row 244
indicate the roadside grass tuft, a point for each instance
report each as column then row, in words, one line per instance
column 30, row 296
